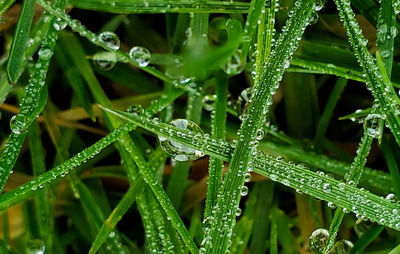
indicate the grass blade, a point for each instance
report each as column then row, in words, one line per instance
column 20, row 41
column 297, row 177
column 169, row 6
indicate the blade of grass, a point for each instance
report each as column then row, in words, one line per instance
column 20, row 41
column 4, row 7
column 32, row 105
column 218, row 131
column 130, row 7
column 387, row 99
column 222, row 222
column 43, row 206
column 328, row 111
column 366, row 238
column 353, row 199
column 387, row 149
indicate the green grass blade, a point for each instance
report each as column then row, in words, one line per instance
column 187, row 6
column 43, row 206
column 297, row 177
column 234, row 179
column 4, row 7
column 22, row 192
column 366, row 238
column 20, row 41
column 396, row 250
column 387, row 99
column 328, row 111
column 255, row 10
column 218, row 131
column 387, row 149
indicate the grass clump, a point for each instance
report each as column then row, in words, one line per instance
column 199, row 126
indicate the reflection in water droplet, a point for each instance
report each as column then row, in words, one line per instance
column 110, row 39
column 35, row 246
column 18, row 124
column 104, row 60
column 140, row 55
column 177, row 150
column 318, row 239
column 234, row 65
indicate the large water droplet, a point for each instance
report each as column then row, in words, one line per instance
column 135, row 109
column 175, row 149
column 140, row 55
column 35, row 247
column 318, row 5
column 234, row 65
column 318, row 239
column 59, row 24
column 18, row 124
column 110, row 39
column 372, row 125
column 244, row 190
column 104, row 60
column 341, row 247
column 391, row 197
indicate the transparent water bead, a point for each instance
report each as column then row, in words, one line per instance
column 371, row 125
column 209, row 102
column 244, row 100
column 234, row 65
column 244, row 190
column 18, row 124
column 110, row 39
column 175, row 149
column 392, row 198
column 135, row 109
column 35, row 246
column 341, row 247
column 60, row 24
column 318, row 240
column 140, row 55
column 318, row 5
column 104, row 60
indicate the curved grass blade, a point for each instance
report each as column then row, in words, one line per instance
column 20, row 41
column 4, row 7
column 382, row 91
column 169, row 6
column 364, row 203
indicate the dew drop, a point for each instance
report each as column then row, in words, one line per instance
column 110, row 39
column 341, row 247
column 18, row 124
column 238, row 211
column 177, row 150
column 104, row 60
column 247, row 177
column 59, row 24
column 260, row 134
column 35, row 246
column 140, row 55
column 327, row 187
column 209, row 102
column 135, row 109
column 391, row 197
column 234, row 65
column 244, row 190
column 318, row 240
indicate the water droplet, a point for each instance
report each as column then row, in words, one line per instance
column 327, row 187
column 140, row 55
column 59, row 24
column 247, row 177
column 209, row 102
column 110, row 39
column 314, row 18
column 244, row 190
column 18, row 124
column 371, row 125
column 234, row 65
column 391, row 197
column 341, row 247
column 177, row 150
column 45, row 53
column 238, row 211
column 318, row 5
column 260, row 134
column 104, row 60
column 135, row 109
column 331, row 205
column 318, row 240
column 112, row 234
column 35, row 246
